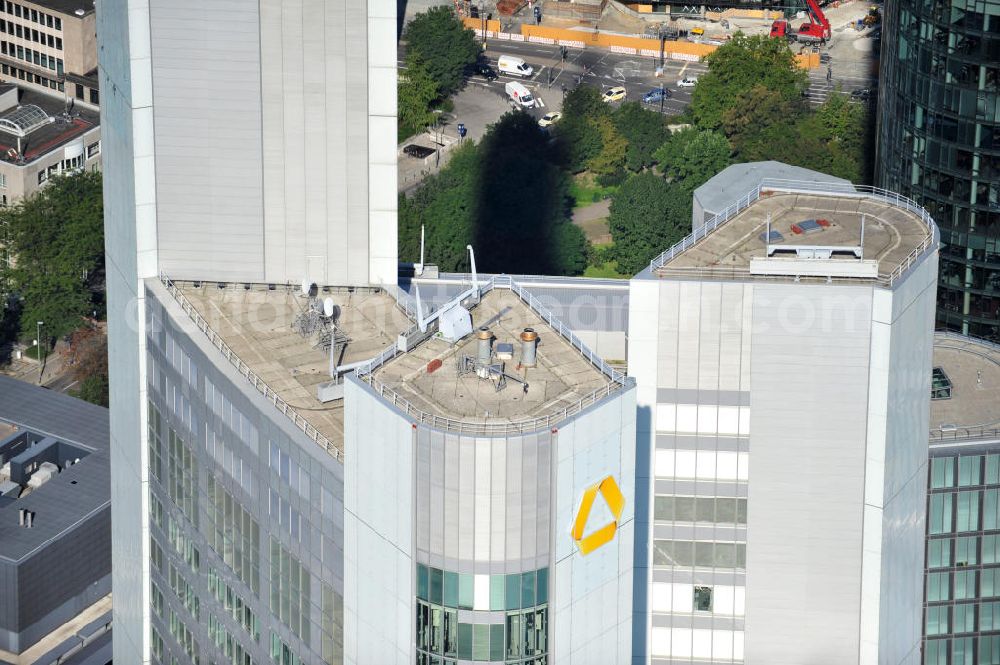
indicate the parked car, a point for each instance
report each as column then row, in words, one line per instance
column 549, row 119
column 688, row 82
column 615, row 94
column 655, row 95
column 487, row 72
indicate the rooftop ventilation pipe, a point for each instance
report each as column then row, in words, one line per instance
column 529, row 341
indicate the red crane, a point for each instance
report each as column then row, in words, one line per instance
column 816, row 30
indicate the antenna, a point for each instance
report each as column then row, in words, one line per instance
column 306, row 286
column 419, row 268
column 768, row 236
column 328, row 307
column 472, row 260
column 862, row 235
column 420, row 311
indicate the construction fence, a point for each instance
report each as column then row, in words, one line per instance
column 642, row 46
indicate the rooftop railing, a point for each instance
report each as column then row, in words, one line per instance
column 616, row 379
column 768, row 185
column 946, row 434
column 247, row 373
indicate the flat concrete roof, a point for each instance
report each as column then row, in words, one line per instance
column 257, row 326
column 891, row 234
column 973, row 368
column 52, row 136
column 560, row 379
column 70, row 497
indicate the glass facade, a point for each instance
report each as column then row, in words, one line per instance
column 962, row 579
column 939, row 143
column 488, row 618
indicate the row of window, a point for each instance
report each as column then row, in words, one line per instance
column 970, row 510
column 33, row 15
column 965, row 471
column 961, row 585
column 441, row 634
column 233, row 604
column 290, row 590
column 282, row 654
column 961, row 618
column 62, row 166
column 963, row 551
column 185, row 638
column 32, row 77
column 234, row 535
column 24, row 32
column 699, row 554
column 225, row 642
column 32, row 56
column 483, row 592
column 184, row 592
column 984, row 650
column 720, row 510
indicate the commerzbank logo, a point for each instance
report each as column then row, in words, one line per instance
column 612, row 496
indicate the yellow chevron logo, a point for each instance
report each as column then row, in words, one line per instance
column 608, row 489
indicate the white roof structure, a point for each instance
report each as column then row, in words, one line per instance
column 24, row 119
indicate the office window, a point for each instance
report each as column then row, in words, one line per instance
column 967, row 511
column 989, row 582
column 968, row 470
column 938, row 586
column 703, row 599
column 42, row 176
column 939, row 517
column 965, row 551
column 79, row 91
column 992, row 475
column 989, row 616
column 58, row 24
column 991, row 509
column 939, row 553
column 59, row 43
column 937, row 620
column 989, row 650
column 942, row 472
column 962, row 652
column 964, row 618
column 936, row 652
column 965, row 584
column 95, row 97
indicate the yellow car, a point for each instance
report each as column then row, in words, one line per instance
column 549, row 119
column 615, row 94
column 697, row 31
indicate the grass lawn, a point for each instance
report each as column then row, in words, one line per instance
column 32, row 352
column 585, row 190
column 607, row 270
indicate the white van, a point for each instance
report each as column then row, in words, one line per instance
column 519, row 94
column 508, row 64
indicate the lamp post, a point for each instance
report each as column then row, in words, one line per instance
column 38, row 349
column 662, row 94
column 437, row 138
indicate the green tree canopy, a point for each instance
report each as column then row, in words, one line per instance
column 739, row 65
column 447, row 47
column 579, row 136
column 758, row 116
column 415, row 92
column 690, row 157
column 611, row 157
column 57, row 238
column 644, row 130
column 648, row 215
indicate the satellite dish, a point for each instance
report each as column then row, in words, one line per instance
column 306, row 286
column 328, row 307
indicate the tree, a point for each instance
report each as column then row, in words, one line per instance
column 648, row 215
column 759, row 117
column 739, row 65
column 416, row 91
column 578, row 134
column 644, row 130
column 87, row 356
column 611, row 157
column 447, row 47
column 690, row 157
column 57, row 237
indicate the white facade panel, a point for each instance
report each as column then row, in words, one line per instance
column 378, row 548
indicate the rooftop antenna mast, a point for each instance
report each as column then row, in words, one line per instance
column 475, row 277
column 768, row 235
column 862, row 235
column 419, row 268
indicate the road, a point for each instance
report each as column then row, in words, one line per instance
column 604, row 69
column 596, row 67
